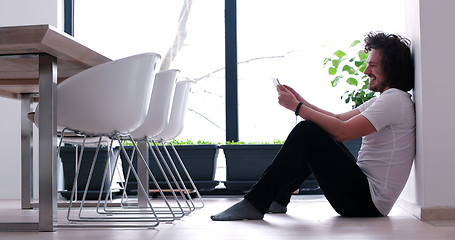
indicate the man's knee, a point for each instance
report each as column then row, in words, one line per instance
column 312, row 131
column 309, row 127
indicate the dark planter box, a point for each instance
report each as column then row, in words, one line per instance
column 245, row 164
column 199, row 160
column 248, row 162
column 68, row 157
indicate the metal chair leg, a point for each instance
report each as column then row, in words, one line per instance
column 185, row 192
column 149, row 216
column 163, row 161
column 159, row 210
column 186, row 173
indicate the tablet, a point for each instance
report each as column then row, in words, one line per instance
column 276, row 82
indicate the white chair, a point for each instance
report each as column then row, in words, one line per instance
column 174, row 127
column 157, row 122
column 110, row 100
column 159, row 107
column 157, row 118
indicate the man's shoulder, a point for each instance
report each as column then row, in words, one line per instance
column 395, row 92
column 390, row 97
column 389, row 108
column 395, row 95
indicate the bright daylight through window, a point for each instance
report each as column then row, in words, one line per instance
column 287, row 39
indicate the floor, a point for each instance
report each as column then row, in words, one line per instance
column 308, row 217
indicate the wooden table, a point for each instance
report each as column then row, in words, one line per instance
column 32, row 60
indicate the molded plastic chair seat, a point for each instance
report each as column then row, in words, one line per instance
column 178, row 112
column 112, row 97
column 159, row 107
column 108, row 98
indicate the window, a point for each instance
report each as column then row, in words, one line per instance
column 289, row 39
column 122, row 28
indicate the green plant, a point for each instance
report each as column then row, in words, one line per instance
column 190, row 142
column 177, row 142
column 275, row 141
column 349, row 65
column 201, row 142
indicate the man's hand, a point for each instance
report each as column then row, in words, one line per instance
column 342, row 127
column 299, row 98
column 287, row 98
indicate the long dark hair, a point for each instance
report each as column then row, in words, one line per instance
column 397, row 62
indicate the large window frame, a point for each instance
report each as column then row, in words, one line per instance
column 232, row 123
column 69, row 17
column 232, row 115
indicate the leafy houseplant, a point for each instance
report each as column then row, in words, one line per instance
column 349, row 66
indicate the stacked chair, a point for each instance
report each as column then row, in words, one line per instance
column 173, row 128
column 125, row 100
column 155, row 121
column 164, row 130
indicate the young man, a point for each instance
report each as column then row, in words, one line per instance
column 368, row 187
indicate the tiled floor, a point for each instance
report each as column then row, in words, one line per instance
column 308, row 217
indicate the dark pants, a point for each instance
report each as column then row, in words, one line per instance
column 309, row 149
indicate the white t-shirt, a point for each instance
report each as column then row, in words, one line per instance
column 386, row 155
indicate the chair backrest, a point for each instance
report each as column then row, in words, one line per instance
column 112, row 97
column 160, row 104
column 178, row 111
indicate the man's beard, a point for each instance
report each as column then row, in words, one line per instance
column 378, row 86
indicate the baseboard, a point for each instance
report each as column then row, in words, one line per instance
column 438, row 213
column 427, row 213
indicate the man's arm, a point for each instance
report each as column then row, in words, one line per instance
column 341, row 130
column 342, row 127
column 343, row 116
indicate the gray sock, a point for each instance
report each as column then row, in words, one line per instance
column 239, row 211
column 277, row 208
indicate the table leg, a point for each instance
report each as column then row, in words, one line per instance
column 47, row 143
column 26, row 152
column 143, row 174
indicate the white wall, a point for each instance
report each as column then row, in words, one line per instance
column 428, row 25
column 25, row 12
column 10, row 149
column 432, row 181
column 20, row 12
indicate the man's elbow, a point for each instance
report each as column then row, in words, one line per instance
column 341, row 138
